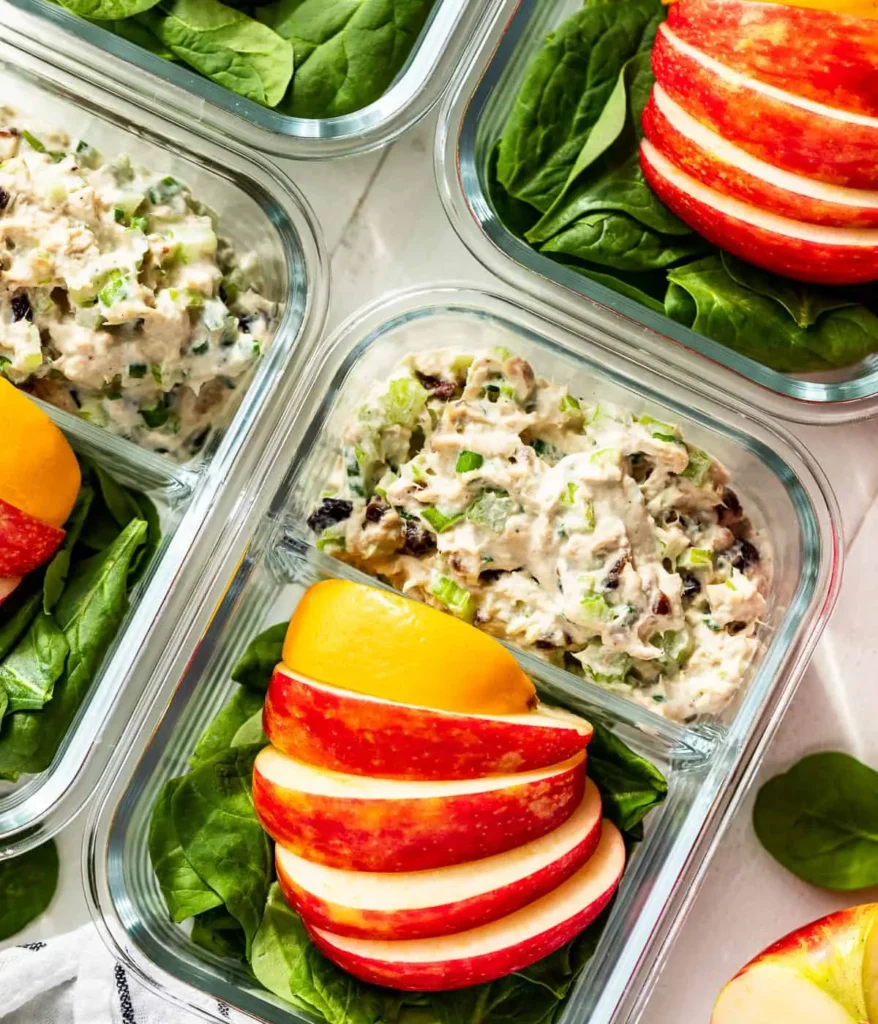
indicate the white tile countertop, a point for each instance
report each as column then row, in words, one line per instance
column 385, row 229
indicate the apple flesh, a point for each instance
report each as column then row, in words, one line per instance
column 823, row 973
column 723, row 166
column 25, row 542
column 353, row 732
column 421, row 904
column 823, row 55
column 368, row 824
column 807, row 252
column 796, row 134
column 492, row 950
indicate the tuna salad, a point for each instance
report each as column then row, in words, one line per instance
column 118, row 302
column 595, row 538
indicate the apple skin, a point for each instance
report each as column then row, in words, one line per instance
column 362, row 832
column 826, row 971
column 718, row 172
column 352, row 732
column 827, row 57
column 490, row 951
column 800, row 258
column 25, row 543
column 449, row 900
column 791, row 137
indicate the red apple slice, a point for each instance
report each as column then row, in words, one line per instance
column 419, row 904
column 25, row 542
column 720, row 164
column 368, row 824
column 492, row 950
column 828, row 57
column 791, row 132
column 354, row 732
column 823, row 973
column 808, row 252
column 7, row 586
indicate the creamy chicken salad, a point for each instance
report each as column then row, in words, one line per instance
column 118, row 302
column 595, row 538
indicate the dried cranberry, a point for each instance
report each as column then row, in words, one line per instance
column 544, row 645
column 731, row 502
column 21, row 308
column 489, row 575
column 329, row 512
column 612, row 580
column 375, row 511
column 443, row 389
column 418, row 541
column 4, row 199
column 662, row 605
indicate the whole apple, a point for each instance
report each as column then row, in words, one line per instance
column 823, row 973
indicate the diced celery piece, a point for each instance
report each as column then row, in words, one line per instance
column 589, row 516
column 439, row 520
column 193, row 240
column 606, row 457
column 603, row 666
column 570, row 407
column 596, row 608
column 156, row 373
column 114, row 289
column 457, row 599
column 157, row 416
column 667, row 438
column 163, row 190
column 696, row 558
column 501, row 352
column 699, row 465
column 568, row 495
column 140, row 224
column 332, row 539
column 491, row 510
column 659, row 426
column 33, row 141
column 468, row 461
column 404, row 401
column 676, row 643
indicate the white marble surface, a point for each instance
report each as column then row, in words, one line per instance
column 386, row 229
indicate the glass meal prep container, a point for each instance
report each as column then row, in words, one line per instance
column 472, row 119
column 259, row 566
column 184, row 94
column 257, row 211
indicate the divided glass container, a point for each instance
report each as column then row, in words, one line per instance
column 472, row 119
column 190, row 98
column 259, row 212
column 261, row 562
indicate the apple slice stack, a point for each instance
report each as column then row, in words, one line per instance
column 427, row 849
column 762, row 134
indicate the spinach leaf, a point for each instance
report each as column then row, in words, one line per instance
column 632, row 286
column 222, row 732
column 514, row 214
column 58, row 569
column 630, row 785
column 120, row 503
column 89, row 613
column 146, row 511
column 30, row 672
column 186, row 893
column 565, row 90
column 805, row 303
column 27, row 885
column 216, row 930
column 227, row 46
column 21, row 609
column 286, row 963
column 680, row 306
column 212, row 812
column 347, row 52
column 820, row 821
column 256, row 664
column 616, row 240
column 611, row 179
column 101, row 10
column 726, row 311
column 139, row 32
